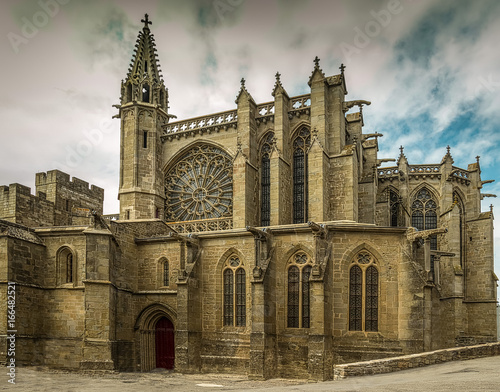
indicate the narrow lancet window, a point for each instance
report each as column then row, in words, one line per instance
column 300, row 193
column 265, row 180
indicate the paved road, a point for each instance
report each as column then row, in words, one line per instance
column 473, row 375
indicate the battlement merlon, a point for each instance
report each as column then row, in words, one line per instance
column 57, row 177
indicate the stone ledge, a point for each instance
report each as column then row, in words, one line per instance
column 394, row 364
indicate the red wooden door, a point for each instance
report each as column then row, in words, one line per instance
column 165, row 348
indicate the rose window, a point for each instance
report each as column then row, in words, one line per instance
column 200, row 185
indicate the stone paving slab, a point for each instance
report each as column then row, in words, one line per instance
column 481, row 374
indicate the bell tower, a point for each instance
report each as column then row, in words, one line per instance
column 143, row 110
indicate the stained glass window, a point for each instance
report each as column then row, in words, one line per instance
column 299, row 296
column 306, row 303
column 371, row 303
column 394, row 207
column 300, row 146
column 265, row 180
column 355, row 299
column 461, row 230
column 240, row 298
column 363, row 293
column 199, row 185
column 424, row 216
column 293, row 297
column 234, row 282
column 228, row 297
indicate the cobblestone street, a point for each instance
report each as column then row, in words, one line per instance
column 472, row 375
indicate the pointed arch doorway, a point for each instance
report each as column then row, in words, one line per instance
column 155, row 337
column 164, row 344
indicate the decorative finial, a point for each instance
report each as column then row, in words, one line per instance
column 316, row 62
column 448, row 148
column 242, row 82
column 491, row 207
column 342, row 67
column 278, row 76
column 401, row 148
column 477, row 159
column 146, row 21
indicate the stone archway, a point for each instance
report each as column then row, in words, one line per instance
column 155, row 329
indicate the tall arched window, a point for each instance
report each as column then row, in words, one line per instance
column 461, row 224
column 394, row 208
column 424, row 214
column 163, row 272
column 301, row 144
column 265, row 180
column 299, row 295
column 363, row 293
column 234, row 282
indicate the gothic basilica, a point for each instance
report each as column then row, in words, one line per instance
column 265, row 240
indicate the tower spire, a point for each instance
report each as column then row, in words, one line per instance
column 144, row 82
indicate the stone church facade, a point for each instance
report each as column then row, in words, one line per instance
column 265, row 240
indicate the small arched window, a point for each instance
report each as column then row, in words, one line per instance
column 363, row 293
column 163, row 272
column 234, row 282
column 66, row 265
column 265, row 180
column 301, row 145
column 299, row 295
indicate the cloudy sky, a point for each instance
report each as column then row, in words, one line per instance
column 430, row 69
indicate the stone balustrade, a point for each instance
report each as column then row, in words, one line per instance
column 197, row 226
column 211, row 123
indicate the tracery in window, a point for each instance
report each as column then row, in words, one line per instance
column 298, row 299
column 394, row 208
column 363, row 293
column 424, row 214
column 301, row 144
column 265, row 180
column 199, row 185
column 234, row 282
